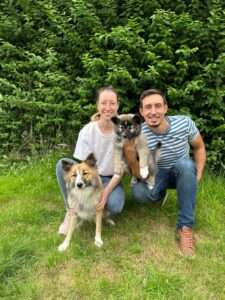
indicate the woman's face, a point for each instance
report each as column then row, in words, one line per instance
column 107, row 104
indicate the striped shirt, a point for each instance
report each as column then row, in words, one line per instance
column 175, row 142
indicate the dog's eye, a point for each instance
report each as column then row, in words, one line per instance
column 74, row 175
column 85, row 173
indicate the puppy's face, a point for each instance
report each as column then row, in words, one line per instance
column 81, row 175
column 127, row 126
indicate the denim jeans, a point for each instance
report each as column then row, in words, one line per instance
column 115, row 201
column 181, row 177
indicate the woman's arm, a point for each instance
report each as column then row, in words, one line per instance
column 83, row 144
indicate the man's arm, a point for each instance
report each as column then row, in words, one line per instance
column 199, row 154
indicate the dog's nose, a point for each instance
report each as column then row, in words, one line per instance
column 79, row 184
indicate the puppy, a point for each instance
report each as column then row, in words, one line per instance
column 84, row 190
column 142, row 164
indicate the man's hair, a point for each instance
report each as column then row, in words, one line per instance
column 152, row 92
column 107, row 88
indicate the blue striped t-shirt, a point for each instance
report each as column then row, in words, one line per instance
column 174, row 143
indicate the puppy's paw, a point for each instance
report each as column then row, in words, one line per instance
column 63, row 246
column 133, row 181
column 151, row 182
column 98, row 241
column 150, row 187
column 144, row 172
column 117, row 175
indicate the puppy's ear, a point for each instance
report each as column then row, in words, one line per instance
column 115, row 120
column 66, row 165
column 91, row 160
column 137, row 119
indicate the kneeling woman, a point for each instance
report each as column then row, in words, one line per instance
column 97, row 137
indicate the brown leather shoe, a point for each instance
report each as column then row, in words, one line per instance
column 185, row 238
column 161, row 202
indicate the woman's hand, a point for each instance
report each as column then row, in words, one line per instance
column 107, row 190
column 103, row 200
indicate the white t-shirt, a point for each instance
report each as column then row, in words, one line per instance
column 92, row 140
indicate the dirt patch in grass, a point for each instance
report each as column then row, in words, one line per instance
column 105, row 270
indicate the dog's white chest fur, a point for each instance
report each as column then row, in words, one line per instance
column 84, row 202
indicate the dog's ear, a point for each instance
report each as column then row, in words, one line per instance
column 115, row 120
column 137, row 119
column 91, row 160
column 66, row 165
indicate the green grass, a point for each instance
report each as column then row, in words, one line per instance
column 139, row 258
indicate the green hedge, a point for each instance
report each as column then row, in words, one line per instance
column 55, row 54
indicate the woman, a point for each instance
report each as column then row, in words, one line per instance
column 97, row 137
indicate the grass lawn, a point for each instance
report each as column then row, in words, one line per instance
column 139, row 258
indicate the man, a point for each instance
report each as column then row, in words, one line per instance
column 176, row 170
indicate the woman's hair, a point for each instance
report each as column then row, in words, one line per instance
column 107, row 88
column 152, row 92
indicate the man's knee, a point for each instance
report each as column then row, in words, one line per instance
column 185, row 165
column 139, row 192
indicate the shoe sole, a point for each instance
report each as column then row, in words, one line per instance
column 188, row 257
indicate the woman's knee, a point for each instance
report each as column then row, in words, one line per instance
column 59, row 163
column 115, row 202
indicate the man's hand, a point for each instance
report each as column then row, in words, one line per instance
column 199, row 176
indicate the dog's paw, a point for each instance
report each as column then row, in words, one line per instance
column 151, row 182
column 98, row 241
column 150, row 187
column 117, row 175
column 144, row 172
column 133, row 181
column 110, row 221
column 63, row 247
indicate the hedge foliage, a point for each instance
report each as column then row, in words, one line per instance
column 55, row 54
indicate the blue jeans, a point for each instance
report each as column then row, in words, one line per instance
column 181, row 177
column 115, row 201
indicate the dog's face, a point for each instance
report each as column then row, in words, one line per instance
column 127, row 126
column 81, row 175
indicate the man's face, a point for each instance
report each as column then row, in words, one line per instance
column 153, row 110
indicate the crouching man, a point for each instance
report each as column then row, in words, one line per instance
column 176, row 170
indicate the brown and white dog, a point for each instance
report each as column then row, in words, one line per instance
column 84, row 190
